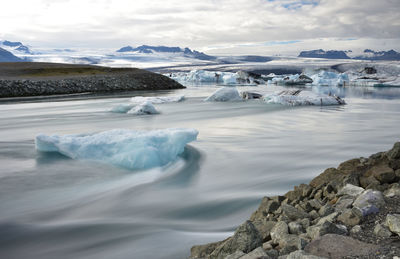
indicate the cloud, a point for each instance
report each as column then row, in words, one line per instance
column 197, row 23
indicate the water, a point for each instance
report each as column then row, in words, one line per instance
column 55, row 207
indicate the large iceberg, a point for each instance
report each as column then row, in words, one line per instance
column 327, row 78
column 225, row 94
column 121, row 147
column 158, row 99
column 217, row 77
column 298, row 97
column 144, row 108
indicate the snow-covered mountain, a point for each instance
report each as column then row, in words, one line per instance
column 320, row 53
column 369, row 54
column 145, row 49
column 6, row 56
column 15, row 47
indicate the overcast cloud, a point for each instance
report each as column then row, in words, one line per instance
column 250, row 26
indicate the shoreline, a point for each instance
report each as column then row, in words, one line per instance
column 24, row 79
column 352, row 211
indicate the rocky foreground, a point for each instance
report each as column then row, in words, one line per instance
column 35, row 79
column 352, row 211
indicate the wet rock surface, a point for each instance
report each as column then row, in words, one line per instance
column 352, row 211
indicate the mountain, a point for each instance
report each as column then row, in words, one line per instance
column 164, row 49
column 319, row 53
column 369, row 54
column 6, row 56
column 15, row 45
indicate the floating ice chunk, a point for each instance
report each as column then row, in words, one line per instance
column 121, row 147
column 158, row 99
column 298, row 97
column 225, row 94
column 144, row 108
column 395, row 83
column 227, row 78
column 122, row 108
column 330, row 78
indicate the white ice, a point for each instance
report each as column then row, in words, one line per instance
column 158, row 99
column 144, row 108
column 302, row 98
column 121, row 147
column 122, row 108
column 327, row 78
column 225, row 94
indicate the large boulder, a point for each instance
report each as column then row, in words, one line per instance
column 382, row 172
column 245, row 239
column 369, row 202
column 350, row 190
column 279, row 231
column 393, row 223
column 337, row 246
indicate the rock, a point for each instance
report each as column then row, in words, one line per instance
column 350, row 190
column 267, row 246
column 261, row 211
column 355, row 230
column 279, row 231
column 344, row 202
column 383, row 173
column 394, row 153
column 290, row 243
column 330, row 218
column 235, row 255
column 272, row 253
column 337, row 246
column 327, row 227
column 382, row 231
column 305, row 223
column 327, row 176
column 264, row 227
column 349, row 218
column 245, row 239
column 369, row 182
column 250, row 95
column 313, row 214
column 392, row 192
column 202, row 251
column 300, row 254
column 257, row 253
column 369, row 202
column 295, row 228
column 393, row 223
column 326, row 210
column 293, row 213
column 315, row 204
column 350, row 166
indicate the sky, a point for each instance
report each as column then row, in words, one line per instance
column 214, row 26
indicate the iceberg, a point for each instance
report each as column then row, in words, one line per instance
column 225, row 94
column 144, row 108
column 122, row 108
column 217, row 77
column 158, row 99
column 121, row 147
column 327, row 78
column 297, row 79
column 298, row 97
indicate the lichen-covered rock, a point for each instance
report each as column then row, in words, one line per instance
column 290, row 243
column 295, row 228
column 350, row 190
column 356, row 230
column 369, row 202
column 327, row 227
column 393, row 191
column 349, row 218
column 245, row 239
column 382, row 231
column 337, row 246
column 264, row 227
column 279, row 231
column 326, row 210
column 393, row 223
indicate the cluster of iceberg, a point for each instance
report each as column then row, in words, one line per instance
column 121, row 147
column 288, row 97
column 326, row 78
column 141, row 105
column 217, row 77
column 299, row 97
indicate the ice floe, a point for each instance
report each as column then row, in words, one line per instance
column 297, row 79
column 121, row 147
column 327, row 78
column 122, row 108
column 299, row 97
column 144, row 108
column 225, row 94
column 158, row 99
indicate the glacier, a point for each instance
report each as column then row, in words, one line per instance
column 299, row 97
column 144, row 108
column 125, row 148
column 158, row 99
column 225, row 94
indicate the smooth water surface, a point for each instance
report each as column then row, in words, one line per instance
column 55, row 207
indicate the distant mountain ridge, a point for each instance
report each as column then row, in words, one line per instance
column 368, row 54
column 15, row 45
column 6, row 56
column 146, row 49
